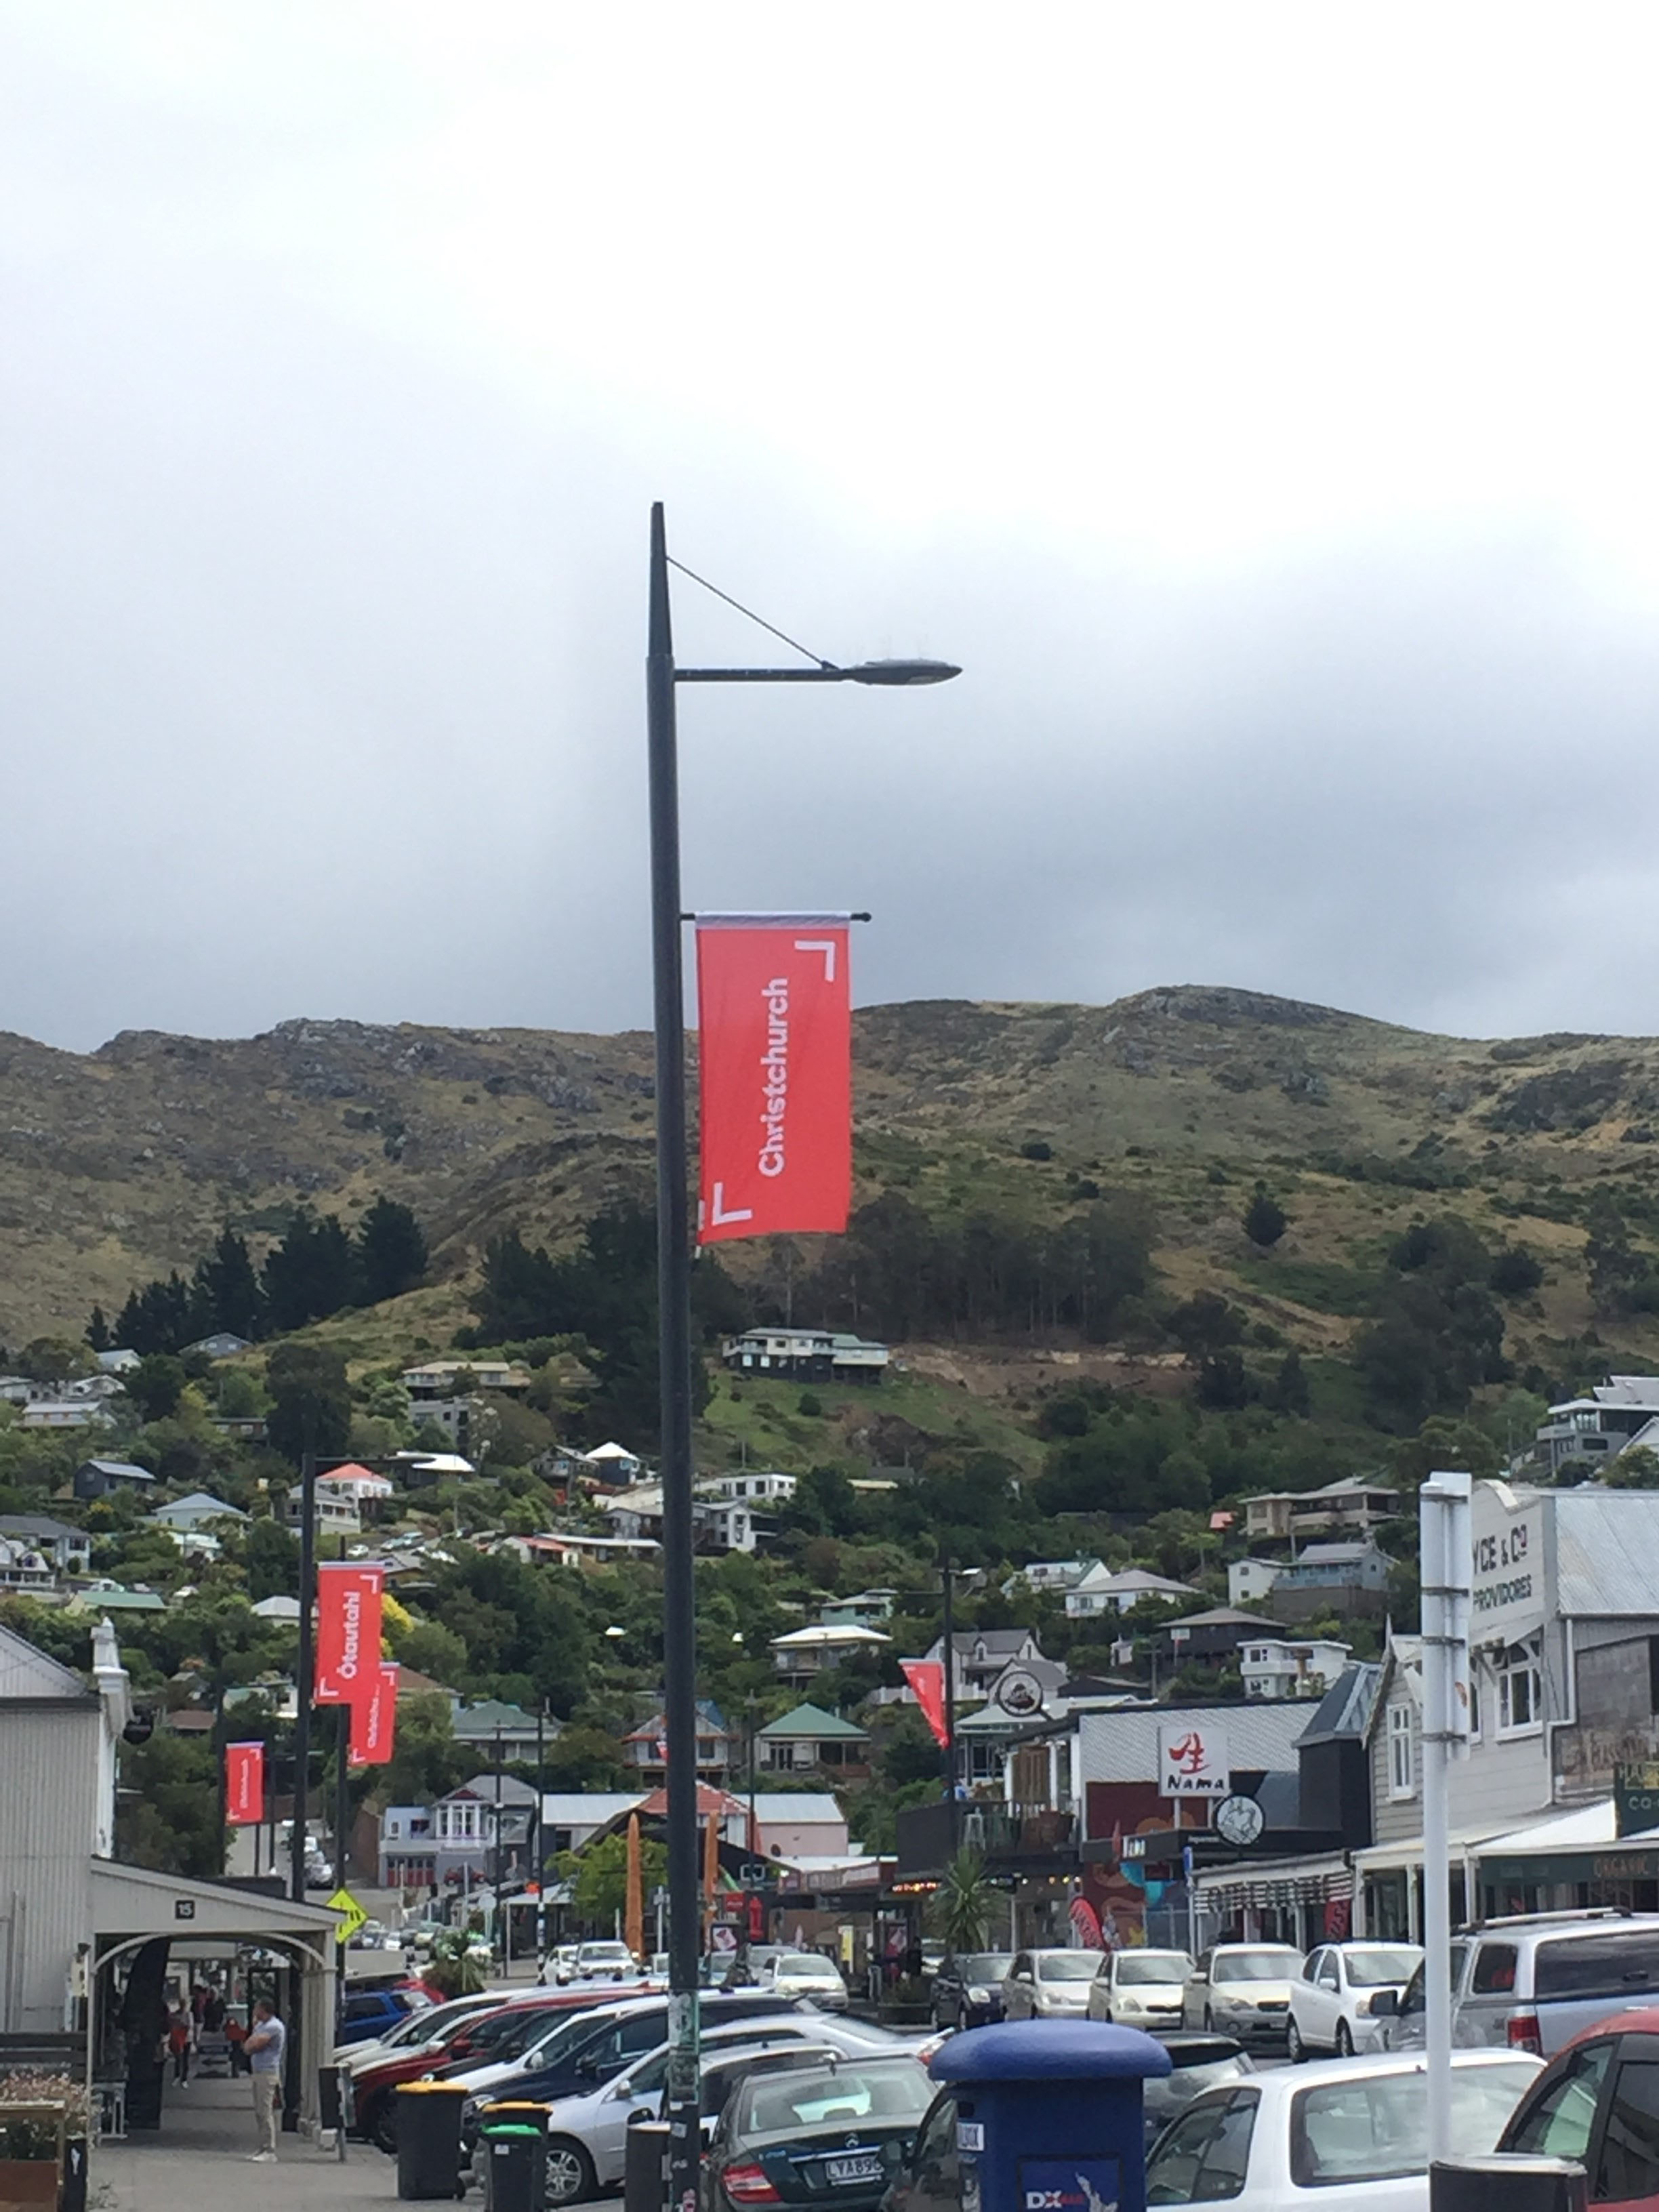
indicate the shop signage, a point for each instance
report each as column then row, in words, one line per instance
column 1636, row 1797
column 1192, row 1759
column 1019, row 1694
column 1506, row 1589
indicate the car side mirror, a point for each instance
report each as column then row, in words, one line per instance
column 1385, row 2004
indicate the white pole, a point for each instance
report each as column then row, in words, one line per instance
column 1444, row 1565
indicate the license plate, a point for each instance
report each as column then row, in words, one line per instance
column 852, row 2169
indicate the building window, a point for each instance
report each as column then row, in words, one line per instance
column 1402, row 1780
column 1518, row 1708
column 1474, row 1701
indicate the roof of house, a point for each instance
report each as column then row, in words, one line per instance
column 122, row 1470
column 1222, row 1616
column 612, row 1451
column 577, row 1808
column 1101, row 1582
column 1346, row 1706
column 200, row 1501
column 710, row 1721
column 1607, row 1551
column 277, row 1607
column 821, row 1633
column 1402, row 1662
column 1123, row 1745
column 25, row 1671
column 118, row 1601
column 411, row 1683
column 40, row 1524
column 510, row 1789
column 800, row 1809
column 488, row 1715
column 808, row 1721
column 1335, row 1555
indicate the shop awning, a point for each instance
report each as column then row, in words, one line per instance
column 1269, row 1885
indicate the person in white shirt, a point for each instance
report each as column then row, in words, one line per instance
column 266, row 2041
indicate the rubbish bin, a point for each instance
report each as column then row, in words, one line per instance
column 429, row 2138
column 1027, row 2138
column 1507, row 2181
column 645, row 2175
column 514, row 2156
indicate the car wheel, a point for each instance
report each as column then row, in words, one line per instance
column 1344, row 2040
column 569, row 2172
column 380, row 2125
column 1296, row 2049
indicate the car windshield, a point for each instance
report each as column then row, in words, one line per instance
column 606, row 1953
column 984, row 1966
column 802, row 1963
column 1375, row 2128
column 572, row 2034
column 1133, row 1968
column 1378, row 1969
column 1254, row 1966
column 783, row 2104
column 1067, row 1966
column 504, row 2034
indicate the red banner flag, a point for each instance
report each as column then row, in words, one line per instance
column 245, row 1784
column 776, row 1055
column 374, row 1719
column 348, row 1634
column 927, row 1678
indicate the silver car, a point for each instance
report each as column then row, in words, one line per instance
column 1049, row 1984
column 1531, row 1983
column 1243, row 1989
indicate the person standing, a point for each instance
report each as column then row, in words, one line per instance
column 178, row 2035
column 266, row 2040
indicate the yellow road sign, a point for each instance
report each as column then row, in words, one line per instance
column 352, row 1915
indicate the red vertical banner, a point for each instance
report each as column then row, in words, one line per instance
column 245, row 1784
column 348, row 1634
column 776, row 1057
column 374, row 1718
column 927, row 1678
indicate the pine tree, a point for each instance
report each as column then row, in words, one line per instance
column 1265, row 1218
column 230, row 1288
column 392, row 1252
column 311, row 1274
column 98, row 1335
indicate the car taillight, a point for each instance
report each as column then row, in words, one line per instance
column 748, row 2184
column 1523, row 2034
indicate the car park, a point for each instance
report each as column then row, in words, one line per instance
column 1597, row 2102
column 1141, row 1988
column 833, row 2135
column 1357, row 2125
column 806, row 1974
column 587, row 2128
column 1535, row 1981
column 499, row 2034
column 1334, row 2004
column 1050, row 1984
column 425, row 2028
column 1243, row 1989
column 967, row 1988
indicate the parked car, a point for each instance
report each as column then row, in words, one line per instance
column 1537, row 1981
column 1360, row 2126
column 367, row 2014
column 587, row 2130
column 423, row 2028
column 831, row 2136
column 967, row 1988
column 1197, row 2062
column 806, row 1974
column 1598, row 2102
column 1048, row 1984
column 559, row 1964
column 1243, row 1989
column 615, row 1960
column 1333, row 2007
column 500, row 2035
column 1141, row 1988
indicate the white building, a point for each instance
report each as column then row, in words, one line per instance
column 1594, row 1429
column 1249, row 1581
column 200, row 1510
column 761, row 1487
column 804, row 1652
column 807, row 1355
column 1101, row 1590
column 1280, row 1668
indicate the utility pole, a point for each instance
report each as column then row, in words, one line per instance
column 950, row 1760
column 1446, row 1562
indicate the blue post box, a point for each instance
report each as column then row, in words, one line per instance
column 1049, row 2116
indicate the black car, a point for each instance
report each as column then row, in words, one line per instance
column 832, row 2137
column 968, row 1989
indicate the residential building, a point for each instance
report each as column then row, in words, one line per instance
column 223, row 1344
column 407, row 1852
column 570, row 1817
column 1056, row 1575
column 200, row 1510
column 490, row 1722
column 809, row 1737
column 1593, row 1430
column 24, row 1569
column 980, row 1655
column 1027, row 1690
column 120, row 1360
column 485, row 1827
column 1349, row 1579
column 810, row 1355
column 334, row 1511
column 646, row 1749
column 1350, row 1503
column 1101, row 1590
column 420, row 1469
column 65, row 1413
column 18, row 1390
column 758, row 1486
column 437, row 1379
column 804, row 1652
column 613, row 1464
column 1214, row 1635
column 863, row 1609
column 69, row 1550
column 1249, row 1581
column 717, row 1524
column 1278, row 1667
column 96, row 1478
column 106, row 1597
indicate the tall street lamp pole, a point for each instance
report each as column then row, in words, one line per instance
column 674, row 1321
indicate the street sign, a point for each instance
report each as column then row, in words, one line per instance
column 352, row 1915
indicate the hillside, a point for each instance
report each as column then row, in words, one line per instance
column 124, row 1163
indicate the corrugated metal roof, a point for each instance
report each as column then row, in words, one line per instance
column 1122, row 1745
column 1607, row 1551
column 1345, row 1707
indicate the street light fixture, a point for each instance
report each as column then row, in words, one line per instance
column 674, row 1318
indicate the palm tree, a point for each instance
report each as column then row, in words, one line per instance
column 964, row 1905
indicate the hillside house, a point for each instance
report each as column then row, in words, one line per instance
column 1594, row 1429
column 863, row 1609
column 1348, row 1579
column 97, row 1478
column 1212, row 1637
column 1101, row 1590
column 761, row 1486
column 24, row 1569
column 1279, row 1667
column 223, row 1344
column 807, row 1355
column 438, row 1378
column 65, row 1413
column 646, row 1747
column 804, row 1652
column 1279, row 1516
column 1249, row 1581
column 980, row 1655
column 613, row 1465
column 490, row 1723
column 485, row 1827
column 810, row 1737
column 334, row 1511
column 1058, row 1575
column 200, row 1510
column 68, row 1549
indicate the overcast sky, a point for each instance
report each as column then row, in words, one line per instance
column 1259, row 403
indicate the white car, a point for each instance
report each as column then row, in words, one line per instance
column 420, row 2030
column 806, row 1974
column 1356, row 2126
column 587, row 2135
column 615, row 1960
column 1141, row 1988
column 1331, row 2005
column 1048, row 1984
column 1243, row 1989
